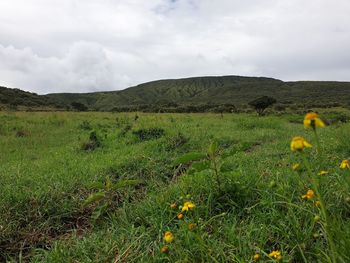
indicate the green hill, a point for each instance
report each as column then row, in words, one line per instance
column 213, row 90
column 194, row 94
column 19, row 99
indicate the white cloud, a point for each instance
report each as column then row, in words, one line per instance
column 85, row 67
column 81, row 46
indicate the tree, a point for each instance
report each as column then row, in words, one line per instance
column 79, row 106
column 260, row 104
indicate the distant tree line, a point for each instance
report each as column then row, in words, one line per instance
column 175, row 108
column 259, row 105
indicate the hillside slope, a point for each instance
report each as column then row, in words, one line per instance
column 19, row 99
column 190, row 92
column 215, row 90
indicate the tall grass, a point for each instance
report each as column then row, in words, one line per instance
column 46, row 176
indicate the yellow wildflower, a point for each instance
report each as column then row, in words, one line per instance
column 309, row 194
column 165, row 250
column 180, row 216
column 168, row 237
column 256, row 257
column 312, row 120
column 323, row 173
column 345, row 164
column 276, row 254
column 191, row 226
column 173, row 206
column 318, row 203
column 188, row 206
column 298, row 144
column 296, row 167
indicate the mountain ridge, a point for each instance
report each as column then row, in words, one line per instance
column 192, row 91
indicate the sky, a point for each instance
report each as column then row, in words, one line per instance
column 49, row 46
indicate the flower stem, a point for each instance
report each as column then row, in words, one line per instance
column 216, row 172
column 317, row 141
column 315, row 184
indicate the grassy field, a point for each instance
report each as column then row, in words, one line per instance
column 104, row 187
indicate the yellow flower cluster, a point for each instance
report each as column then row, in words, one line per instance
column 298, row 144
column 311, row 120
column 188, row 206
column 168, row 236
column 275, row 254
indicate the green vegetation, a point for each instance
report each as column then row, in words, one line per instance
column 230, row 176
column 16, row 99
column 79, row 106
column 201, row 94
column 213, row 94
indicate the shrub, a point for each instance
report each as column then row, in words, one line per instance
column 149, row 134
column 22, row 133
column 334, row 117
column 85, row 125
column 176, row 141
column 125, row 130
column 93, row 143
column 260, row 104
column 79, row 106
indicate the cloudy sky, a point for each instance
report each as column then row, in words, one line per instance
column 94, row 45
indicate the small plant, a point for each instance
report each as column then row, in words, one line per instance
column 149, row 134
column 85, row 125
column 22, row 133
column 107, row 196
column 2, row 129
column 212, row 160
column 93, row 143
column 182, row 219
column 125, row 130
column 334, row 117
column 176, row 141
column 121, row 121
